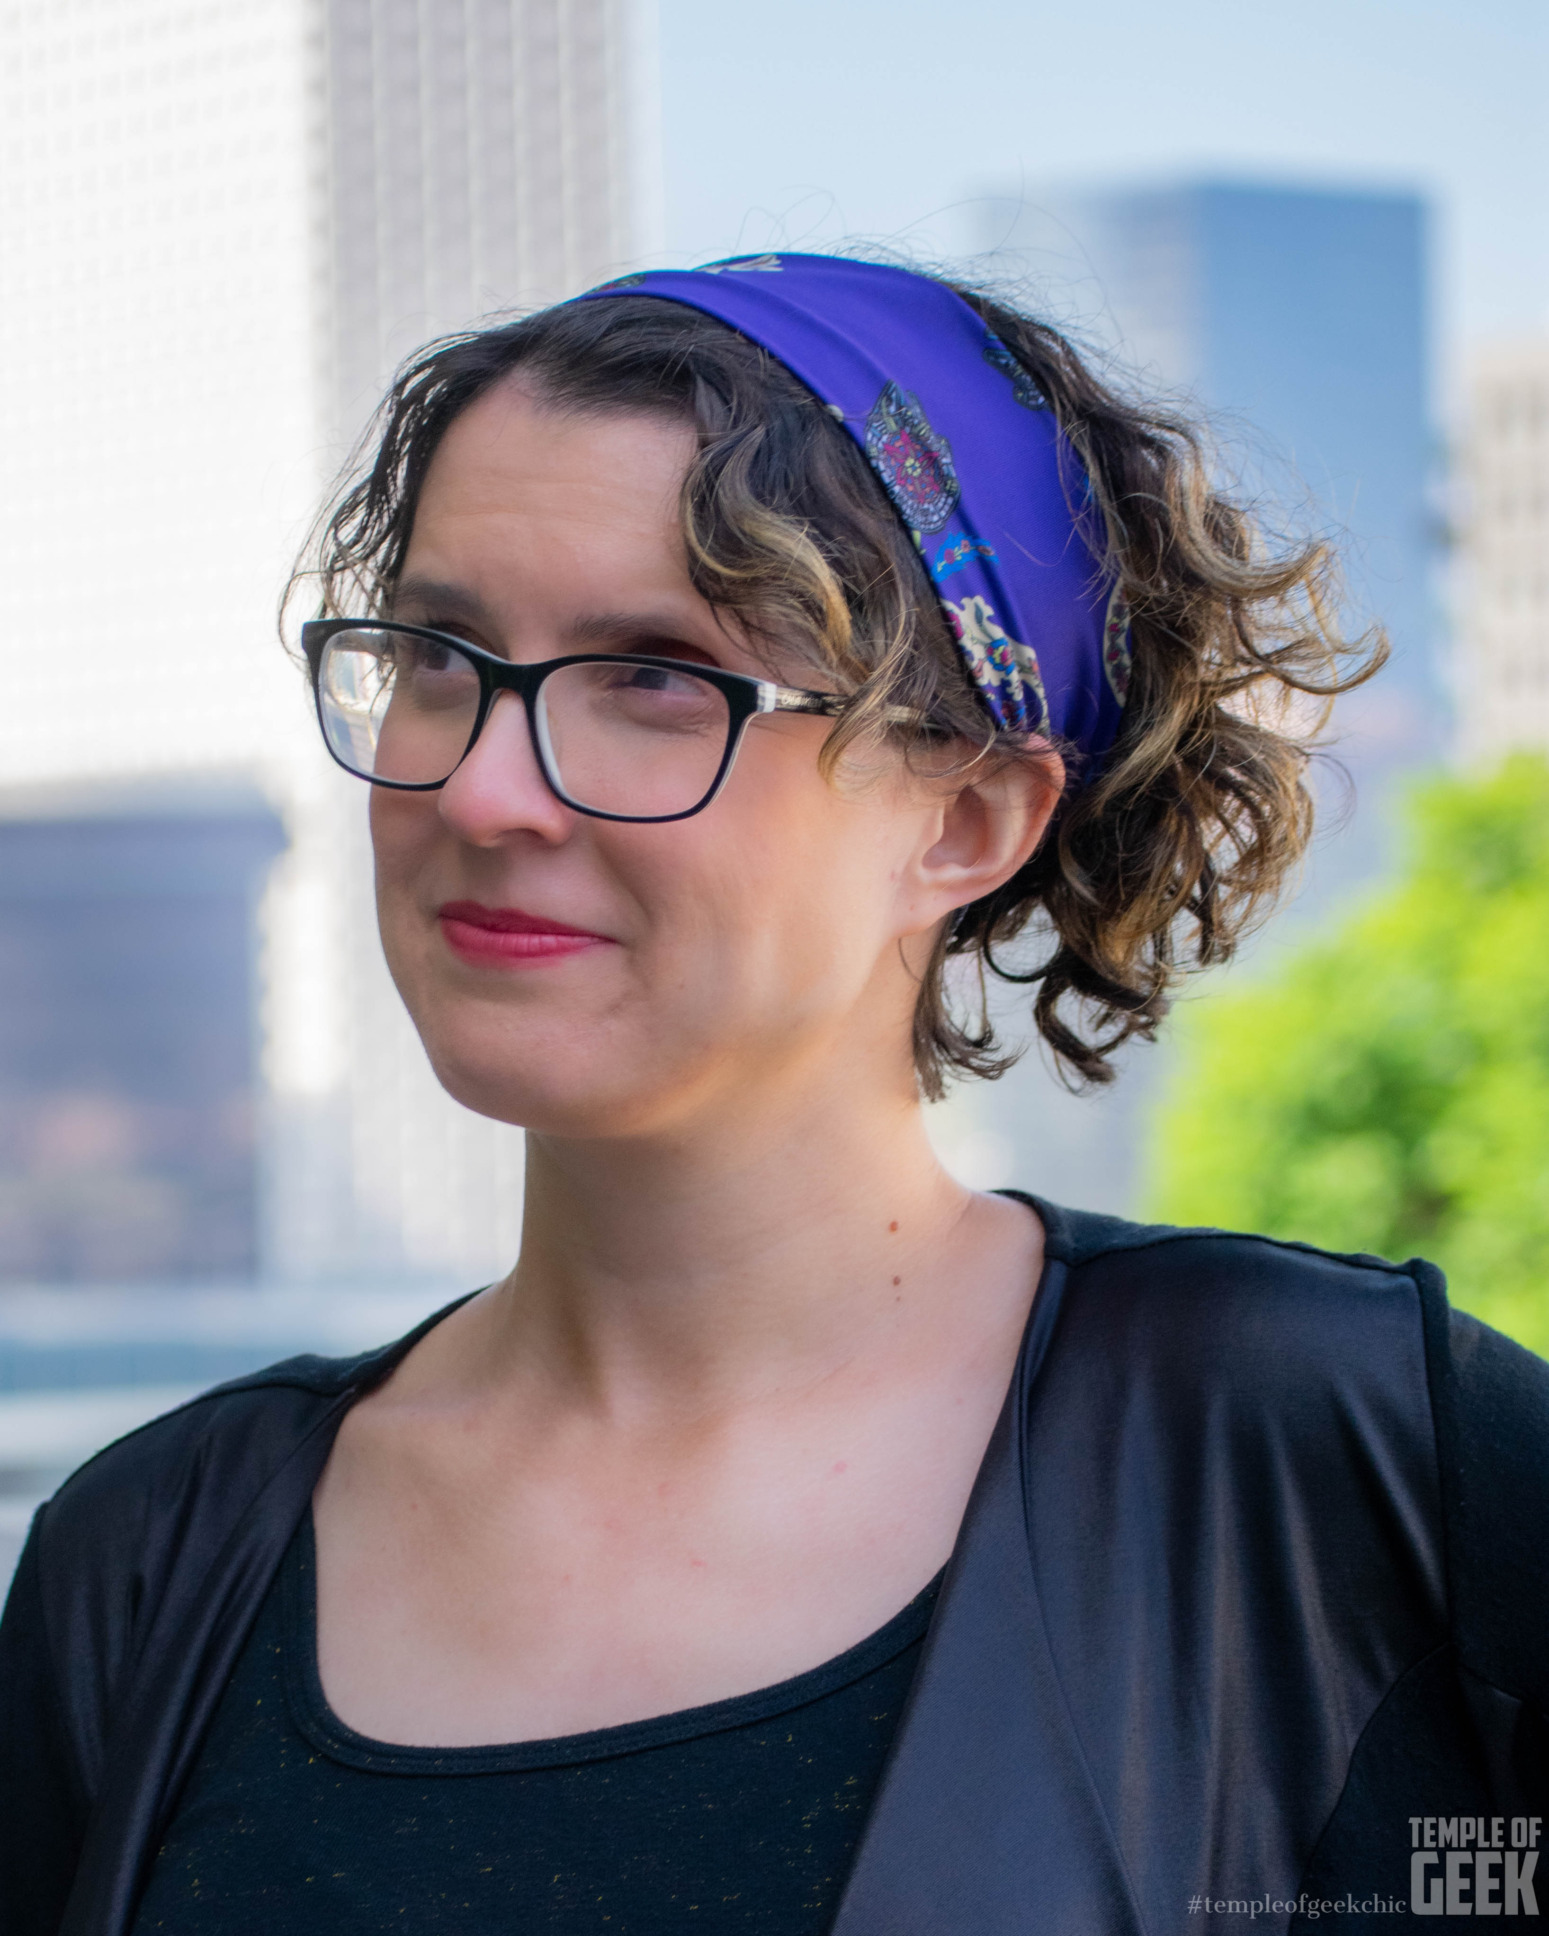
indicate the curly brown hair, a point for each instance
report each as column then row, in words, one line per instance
column 1160, row 861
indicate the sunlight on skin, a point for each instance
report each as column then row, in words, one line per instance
column 530, row 525
column 722, row 1419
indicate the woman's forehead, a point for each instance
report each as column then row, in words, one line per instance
column 512, row 443
column 517, row 490
column 563, row 523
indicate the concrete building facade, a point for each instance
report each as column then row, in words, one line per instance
column 1503, row 580
column 225, row 221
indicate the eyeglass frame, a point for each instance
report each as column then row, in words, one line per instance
column 746, row 698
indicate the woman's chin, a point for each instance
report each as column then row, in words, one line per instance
column 569, row 1102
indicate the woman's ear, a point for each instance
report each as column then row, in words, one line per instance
column 989, row 823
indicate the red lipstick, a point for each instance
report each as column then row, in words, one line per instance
column 502, row 937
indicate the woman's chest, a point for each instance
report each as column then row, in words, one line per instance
column 293, row 1823
column 537, row 1597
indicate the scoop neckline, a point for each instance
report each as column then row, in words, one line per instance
column 326, row 1732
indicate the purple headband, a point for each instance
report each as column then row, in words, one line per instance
column 970, row 453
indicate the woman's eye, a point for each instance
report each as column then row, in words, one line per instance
column 656, row 679
column 427, row 674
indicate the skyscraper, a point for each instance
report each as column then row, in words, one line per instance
column 1299, row 319
column 223, row 223
column 1503, row 589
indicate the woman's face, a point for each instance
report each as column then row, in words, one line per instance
column 710, row 957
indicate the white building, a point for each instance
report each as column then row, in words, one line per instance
column 1504, row 581
column 223, row 221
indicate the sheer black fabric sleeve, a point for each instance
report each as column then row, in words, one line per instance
column 1491, row 1401
column 1463, row 1731
column 42, row 1805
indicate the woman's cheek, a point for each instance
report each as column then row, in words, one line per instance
column 403, row 830
column 402, row 838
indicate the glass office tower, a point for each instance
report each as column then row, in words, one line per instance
column 1298, row 319
column 128, row 1079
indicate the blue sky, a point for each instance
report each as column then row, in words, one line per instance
column 811, row 120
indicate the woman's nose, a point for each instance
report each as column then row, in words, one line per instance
column 499, row 789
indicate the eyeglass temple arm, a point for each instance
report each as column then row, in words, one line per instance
column 791, row 699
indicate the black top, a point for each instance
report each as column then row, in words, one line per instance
column 1254, row 1571
column 739, row 1816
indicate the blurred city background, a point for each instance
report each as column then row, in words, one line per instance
column 222, row 222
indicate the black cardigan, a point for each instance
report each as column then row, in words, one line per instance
column 1255, row 1570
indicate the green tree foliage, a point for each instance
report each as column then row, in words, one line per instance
column 1387, row 1089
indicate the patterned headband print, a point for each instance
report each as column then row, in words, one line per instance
column 968, row 450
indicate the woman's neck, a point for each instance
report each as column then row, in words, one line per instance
column 720, row 1423
column 747, row 1258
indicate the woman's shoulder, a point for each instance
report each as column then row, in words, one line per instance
column 1338, row 1375
column 1219, row 1261
column 152, row 1510
column 243, row 1426
column 161, row 1503
column 1294, row 1343
column 1234, row 1307
column 1269, row 1309
column 156, row 1496
column 233, row 1433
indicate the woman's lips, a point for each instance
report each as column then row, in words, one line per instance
column 500, row 936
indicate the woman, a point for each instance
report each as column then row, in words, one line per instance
column 796, row 1540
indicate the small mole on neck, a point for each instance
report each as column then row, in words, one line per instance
column 893, row 1225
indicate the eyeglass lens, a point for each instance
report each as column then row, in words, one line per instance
column 639, row 741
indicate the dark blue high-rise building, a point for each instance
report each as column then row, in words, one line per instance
column 127, row 1040
column 1297, row 320
column 1298, row 317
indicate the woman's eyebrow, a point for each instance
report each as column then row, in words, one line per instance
column 434, row 600
column 621, row 629
column 445, row 600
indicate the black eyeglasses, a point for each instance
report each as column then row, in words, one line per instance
column 619, row 735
